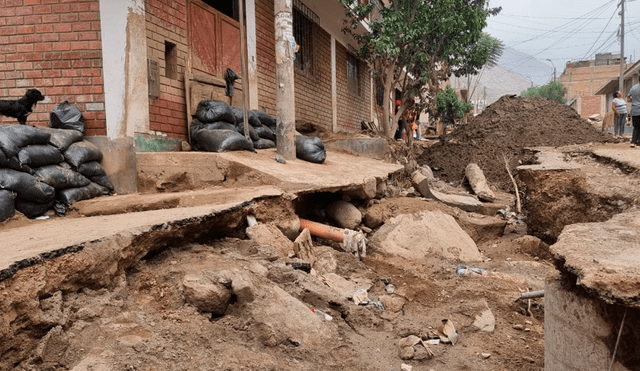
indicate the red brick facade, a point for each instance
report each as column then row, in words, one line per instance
column 312, row 88
column 167, row 21
column 353, row 106
column 266, row 55
column 53, row 46
column 591, row 105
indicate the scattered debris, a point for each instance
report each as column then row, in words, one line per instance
column 447, row 332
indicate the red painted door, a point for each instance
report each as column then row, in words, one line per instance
column 214, row 40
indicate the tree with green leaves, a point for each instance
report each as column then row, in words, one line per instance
column 553, row 90
column 489, row 49
column 450, row 107
column 418, row 44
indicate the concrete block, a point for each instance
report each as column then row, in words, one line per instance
column 191, row 169
column 154, row 143
column 575, row 331
column 119, row 162
column 376, row 148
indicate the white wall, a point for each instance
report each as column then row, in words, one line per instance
column 124, row 51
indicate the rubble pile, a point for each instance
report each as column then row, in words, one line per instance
column 505, row 129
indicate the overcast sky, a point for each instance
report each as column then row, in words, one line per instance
column 565, row 30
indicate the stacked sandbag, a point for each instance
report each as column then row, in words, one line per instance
column 41, row 165
column 262, row 135
column 214, row 129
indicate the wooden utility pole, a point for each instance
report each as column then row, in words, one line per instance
column 621, row 82
column 285, row 101
column 245, row 74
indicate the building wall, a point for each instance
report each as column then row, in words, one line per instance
column 313, row 89
column 583, row 82
column 266, row 56
column 53, row 46
column 167, row 21
column 353, row 107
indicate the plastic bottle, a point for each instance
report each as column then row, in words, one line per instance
column 326, row 316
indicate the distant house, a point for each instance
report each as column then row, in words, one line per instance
column 124, row 63
column 583, row 79
column 630, row 79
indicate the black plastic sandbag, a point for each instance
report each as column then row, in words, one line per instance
column 222, row 141
column 14, row 163
column 59, row 177
column 62, row 138
column 310, row 149
column 26, row 186
column 266, row 119
column 252, row 132
column 37, row 155
column 220, row 125
column 70, row 195
column 3, row 159
column 264, row 132
column 238, row 113
column 67, row 116
column 104, row 181
column 90, row 169
column 210, row 111
column 14, row 137
column 7, row 204
column 264, row 144
column 80, row 152
column 33, row 209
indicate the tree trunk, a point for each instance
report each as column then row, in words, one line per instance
column 387, row 80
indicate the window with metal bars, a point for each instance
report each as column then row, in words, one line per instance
column 303, row 33
column 379, row 94
column 353, row 81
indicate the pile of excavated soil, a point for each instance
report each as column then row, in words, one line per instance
column 506, row 128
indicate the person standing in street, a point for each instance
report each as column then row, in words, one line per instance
column 619, row 107
column 634, row 98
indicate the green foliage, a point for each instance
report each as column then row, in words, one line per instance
column 449, row 105
column 553, row 90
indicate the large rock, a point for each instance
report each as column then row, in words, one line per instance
column 415, row 236
column 269, row 234
column 206, row 294
column 478, row 182
column 344, row 214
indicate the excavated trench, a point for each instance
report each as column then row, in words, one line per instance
column 118, row 302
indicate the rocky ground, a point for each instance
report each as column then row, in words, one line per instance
column 243, row 298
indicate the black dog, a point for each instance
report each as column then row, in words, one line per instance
column 21, row 108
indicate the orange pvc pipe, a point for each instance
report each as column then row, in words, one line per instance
column 322, row 230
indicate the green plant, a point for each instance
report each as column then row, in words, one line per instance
column 553, row 90
column 449, row 106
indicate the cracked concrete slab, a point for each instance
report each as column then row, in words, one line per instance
column 604, row 257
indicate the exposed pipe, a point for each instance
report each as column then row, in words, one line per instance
column 322, row 230
column 531, row 295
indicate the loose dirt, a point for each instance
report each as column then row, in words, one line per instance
column 506, row 128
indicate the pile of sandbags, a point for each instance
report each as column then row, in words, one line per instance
column 218, row 127
column 41, row 168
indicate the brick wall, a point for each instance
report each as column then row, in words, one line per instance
column 167, row 21
column 313, row 88
column 591, row 105
column 353, row 107
column 265, row 55
column 53, row 46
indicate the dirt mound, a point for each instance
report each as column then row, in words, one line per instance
column 507, row 127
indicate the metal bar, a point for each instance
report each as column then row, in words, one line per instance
column 245, row 73
column 531, row 295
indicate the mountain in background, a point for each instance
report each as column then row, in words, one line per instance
column 516, row 72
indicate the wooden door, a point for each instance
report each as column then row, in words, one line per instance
column 214, row 40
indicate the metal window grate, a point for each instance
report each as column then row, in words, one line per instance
column 304, row 31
